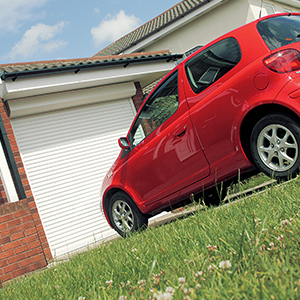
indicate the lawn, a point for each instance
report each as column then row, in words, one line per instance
column 248, row 249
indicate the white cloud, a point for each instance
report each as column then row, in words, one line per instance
column 14, row 12
column 113, row 27
column 38, row 39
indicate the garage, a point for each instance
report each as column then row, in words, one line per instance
column 66, row 154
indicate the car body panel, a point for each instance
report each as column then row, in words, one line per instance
column 200, row 143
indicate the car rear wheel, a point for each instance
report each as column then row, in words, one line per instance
column 275, row 146
column 124, row 215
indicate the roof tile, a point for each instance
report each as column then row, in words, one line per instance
column 6, row 69
column 167, row 17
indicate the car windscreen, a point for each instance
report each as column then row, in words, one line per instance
column 280, row 31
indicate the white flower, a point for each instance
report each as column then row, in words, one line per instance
column 225, row 264
column 170, row 290
column 280, row 238
column 81, row 298
column 163, row 296
column 122, row 297
column 211, row 248
column 212, row 267
column 181, row 279
column 134, row 250
column 284, row 223
column 198, row 274
column 272, row 247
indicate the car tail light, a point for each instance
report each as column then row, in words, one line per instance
column 283, row 61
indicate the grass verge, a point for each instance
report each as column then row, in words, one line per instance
column 248, row 250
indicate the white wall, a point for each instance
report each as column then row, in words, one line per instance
column 220, row 20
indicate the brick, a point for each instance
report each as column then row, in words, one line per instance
column 7, row 254
column 38, row 265
column 3, row 263
column 35, row 214
column 32, row 204
column 9, row 231
column 5, row 240
column 16, row 258
column 30, row 231
column 33, row 252
column 27, row 193
column 21, row 271
column 30, row 239
column 6, row 277
column 12, row 245
column 3, row 226
column 25, row 262
column 40, row 228
column 37, row 258
column 23, row 227
column 14, row 223
column 22, row 212
column 26, row 219
column 6, row 217
column 11, row 267
column 21, row 249
column 17, row 236
column 34, row 244
column 43, row 239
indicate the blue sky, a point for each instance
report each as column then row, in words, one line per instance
column 33, row 30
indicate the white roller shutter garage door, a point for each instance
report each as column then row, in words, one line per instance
column 66, row 154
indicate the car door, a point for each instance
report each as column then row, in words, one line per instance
column 166, row 155
column 216, row 96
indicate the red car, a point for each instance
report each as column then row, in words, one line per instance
column 232, row 105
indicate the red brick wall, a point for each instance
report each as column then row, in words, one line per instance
column 21, row 248
column 23, row 243
column 138, row 97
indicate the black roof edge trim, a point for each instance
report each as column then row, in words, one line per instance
column 77, row 68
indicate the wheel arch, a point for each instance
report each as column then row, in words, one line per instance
column 252, row 118
column 109, row 194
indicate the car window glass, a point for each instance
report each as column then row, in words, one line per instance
column 158, row 108
column 212, row 63
column 280, row 31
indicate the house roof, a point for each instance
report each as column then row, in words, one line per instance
column 13, row 71
column 173, row 14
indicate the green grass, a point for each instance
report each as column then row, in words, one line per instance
column 248, row 250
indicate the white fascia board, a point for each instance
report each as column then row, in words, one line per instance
column 47, row 84
column 175, row 25
column 2, row 89
column 293, row 3
column 55, row 101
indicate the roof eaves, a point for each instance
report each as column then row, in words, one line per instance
column 13, row 72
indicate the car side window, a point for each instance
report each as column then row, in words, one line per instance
column 159, row 107
column 209, row 65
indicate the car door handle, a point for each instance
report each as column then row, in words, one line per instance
column 180, row 131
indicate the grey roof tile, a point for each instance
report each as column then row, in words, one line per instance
column 169, row 16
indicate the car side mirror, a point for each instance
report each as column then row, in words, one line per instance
column 124, row 143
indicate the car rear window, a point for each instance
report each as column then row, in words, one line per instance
column 280, row 31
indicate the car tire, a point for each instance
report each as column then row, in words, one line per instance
column 275, row 146
column 124, row 215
